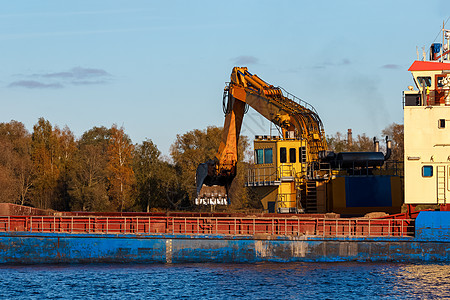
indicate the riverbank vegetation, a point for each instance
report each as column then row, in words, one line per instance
column 103, row 170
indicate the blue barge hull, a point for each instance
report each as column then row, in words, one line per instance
column 27, row 248
column 430, row 243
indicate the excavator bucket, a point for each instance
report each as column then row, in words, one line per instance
column 200, row 176
column 211, row 189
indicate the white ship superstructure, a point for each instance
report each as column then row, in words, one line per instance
column 427, row 128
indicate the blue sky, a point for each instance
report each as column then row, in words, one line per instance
column 158, row 68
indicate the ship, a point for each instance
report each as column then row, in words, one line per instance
column 319, row 206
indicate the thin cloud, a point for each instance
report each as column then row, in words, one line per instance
column 346, row 62
column 391, row 66
column 32, row 84
column 87, row 82
column 77, row 76
column 324, row 65
column 76, row 73
column 245, row 60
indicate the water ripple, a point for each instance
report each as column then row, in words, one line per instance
column 228, row 281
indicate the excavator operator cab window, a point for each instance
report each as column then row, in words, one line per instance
column 268, row 156
column 264, row 156
column 283, row 156
column 259, row 154
column 292, row 155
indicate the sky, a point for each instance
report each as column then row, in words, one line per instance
column 158, row 68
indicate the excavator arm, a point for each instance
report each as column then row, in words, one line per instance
column 222, row 169
column 296, row 119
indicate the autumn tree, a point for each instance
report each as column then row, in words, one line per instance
column 34, row 163
column 395, row 133
column 66, row 152
column 191, row 149
column 8, row 182
column 196, row 147
column 121, row 177
column 146, row 163
column 8, row 185
column 169, row 184
column 88, row 176
column 15, row 163
column 45, row 156
column 339, row 143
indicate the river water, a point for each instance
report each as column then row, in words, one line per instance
column 228, row 281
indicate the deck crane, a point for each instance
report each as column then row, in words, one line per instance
column 297, row 120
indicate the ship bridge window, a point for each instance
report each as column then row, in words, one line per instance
column 268, row 156
column 283, row 156
column 424, row 79
column 292, row 155
column 412, row 99
column 427, row 171
column 439, row 81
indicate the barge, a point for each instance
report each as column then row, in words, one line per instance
column 29, row 236
column 194, row 238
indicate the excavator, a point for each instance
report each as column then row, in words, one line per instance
column 297, row 121
column 294, row 172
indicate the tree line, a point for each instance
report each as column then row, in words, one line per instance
column 103, row 170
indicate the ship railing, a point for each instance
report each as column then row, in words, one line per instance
column 393, row 167
column 262, row 176
column 286, row 172
column 297, row 100
column 284, row 226
column 317, row 170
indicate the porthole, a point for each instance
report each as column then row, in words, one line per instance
column 427, row 171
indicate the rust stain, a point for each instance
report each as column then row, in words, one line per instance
column 58, row 254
